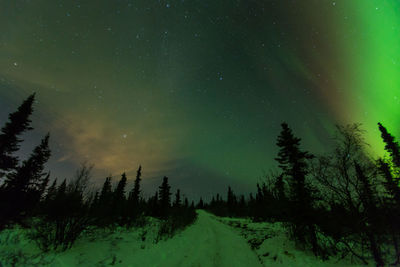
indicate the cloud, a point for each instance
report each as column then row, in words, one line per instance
column 104, row 143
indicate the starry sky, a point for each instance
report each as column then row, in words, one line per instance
column 197, row 90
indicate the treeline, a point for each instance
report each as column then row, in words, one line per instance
column 60, row 212
column 344, row 202
column 341, row 203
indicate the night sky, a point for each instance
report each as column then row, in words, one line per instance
column 197, row 90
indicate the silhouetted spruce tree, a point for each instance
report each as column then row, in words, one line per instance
column 391, row 184
column 212, row 202
column 262, row 207
column 251, row 206
column 119, row 199
column 134, row 195
column 241, row 209
column 105, row 199
column 293, row 162
column 177, row 202
column 371, row 216
column 106, row 191
column 164, row 197
column 186, row 203
column 24, row 187
column 231, row 202
column 391, row 145
column 218, row 198
column 51, row 191
column 259, row 211
column 48, row 198
column 9, row 142
column 41, row 188
column 200, row 205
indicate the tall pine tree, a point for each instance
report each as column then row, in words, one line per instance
column 293, row 162
column 164, row 197
column 231, row 201
column 118, row 202
column 9, row 142
column 134, row 195
column 391, row 145
column 103, row 210
column 119, row 193
column 177, row 202
column 24, row 187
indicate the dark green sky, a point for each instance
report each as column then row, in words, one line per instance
column 195, row 90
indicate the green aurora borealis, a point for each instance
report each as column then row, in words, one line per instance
column 196, row 90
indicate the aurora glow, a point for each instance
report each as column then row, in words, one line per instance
column 196, row 90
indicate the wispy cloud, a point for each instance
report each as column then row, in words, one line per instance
column 103, row 143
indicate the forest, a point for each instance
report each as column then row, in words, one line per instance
column 339, row 203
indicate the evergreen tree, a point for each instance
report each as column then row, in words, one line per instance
column 30, row 174
column 212, row 203
column 230, row 201
column 177, row 202
column 9, row 142
column 105, row 201
column 293, row 162
column 118, row 205
column 165, row 197
column 391, row 183
column 42, row 187
column 51, row 191
column 391, row 145
column 106, row 191
column 25, row 186
column 200, row 205
column 134, row 195
column 186, row 203
column 119, row 193
column 242, row 206
column 62, row 189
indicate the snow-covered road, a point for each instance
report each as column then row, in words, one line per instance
column 207, row 243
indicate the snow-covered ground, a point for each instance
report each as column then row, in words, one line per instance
column 210, row 241
column 273, row 248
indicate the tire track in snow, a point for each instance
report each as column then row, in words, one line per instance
column 206, row 243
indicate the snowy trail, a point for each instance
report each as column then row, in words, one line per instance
column 207, row 243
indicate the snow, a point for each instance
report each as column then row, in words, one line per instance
column 273, row 248
column 207, row 243
column 210, row 241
